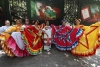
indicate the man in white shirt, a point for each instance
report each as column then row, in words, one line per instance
column 4, row 28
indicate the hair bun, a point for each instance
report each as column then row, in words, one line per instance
column 64, row 21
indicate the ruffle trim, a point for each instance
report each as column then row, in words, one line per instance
column 15, row 49
column 79, row 33
column 34, row 52
column 62, row 48
column 86, row 53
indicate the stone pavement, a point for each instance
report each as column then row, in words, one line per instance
column 53, row 58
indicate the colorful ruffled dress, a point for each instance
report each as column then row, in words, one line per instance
column 5, row 36
column 47, row 39
column 32, row 37
column 16, row 44
column 65, row 37
column 89, row 41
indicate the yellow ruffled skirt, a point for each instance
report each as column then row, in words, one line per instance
column 3, row 42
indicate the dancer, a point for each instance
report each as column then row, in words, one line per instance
column 26, row 24
column 5, row 36
column 32, row 37
column 89, row 41
column 16, row 44
column 4, row 28
column 65, row 37
column 47, row 36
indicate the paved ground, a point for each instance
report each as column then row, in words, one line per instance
column 54, row 58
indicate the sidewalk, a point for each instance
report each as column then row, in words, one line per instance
column 54, row 58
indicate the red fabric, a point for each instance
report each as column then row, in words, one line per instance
column 65, row 29
column 41, row 14
column 31, row 38
column 57, row 10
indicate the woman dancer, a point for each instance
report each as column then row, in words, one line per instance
column 89, row 41
column 5, row 36
column 32, row 37
column 65, row 37
column 16, row 44
column 47, row 36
